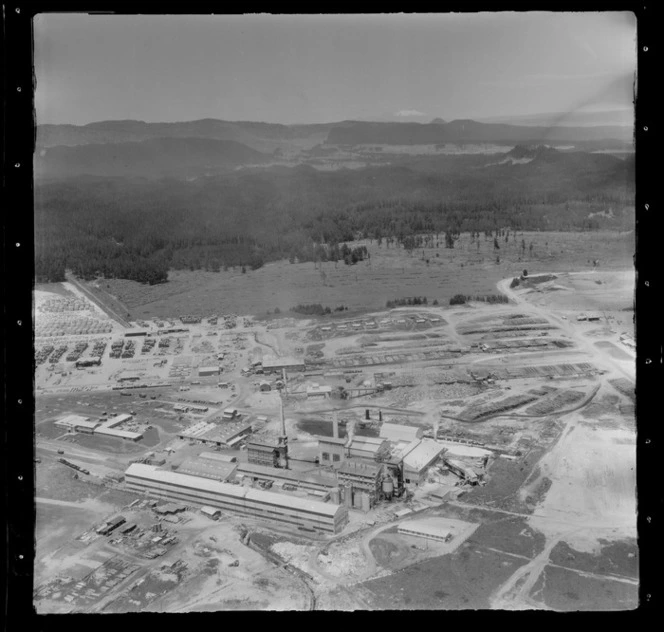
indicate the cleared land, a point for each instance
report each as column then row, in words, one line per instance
column 390, row 273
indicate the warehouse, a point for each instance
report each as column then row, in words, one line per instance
column 427, row 528
column 198, row 409
column 288, row 510
column 399, row 432
column 77, row 423
column 120, row 434
column 213, row 435
column 117, row 420
column 303, row 480
column 205, row 371
column 271, row 364
column 207, row 468
column 419, row 458
column 368, row 447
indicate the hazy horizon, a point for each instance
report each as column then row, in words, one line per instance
column 295, row 69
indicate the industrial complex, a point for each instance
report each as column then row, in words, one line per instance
column 320, row 456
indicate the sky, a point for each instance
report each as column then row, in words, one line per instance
column 326, row 68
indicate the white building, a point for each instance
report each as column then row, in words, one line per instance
column 289, row 510
column 400, row 432
column 427, row 528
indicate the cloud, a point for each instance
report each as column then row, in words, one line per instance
column 409, row 113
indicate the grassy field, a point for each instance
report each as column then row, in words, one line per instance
column 389, row 273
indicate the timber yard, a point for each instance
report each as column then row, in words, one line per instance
column 211, row 462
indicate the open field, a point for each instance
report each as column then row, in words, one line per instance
column 389, row 273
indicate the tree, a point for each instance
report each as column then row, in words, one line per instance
column 496, row 246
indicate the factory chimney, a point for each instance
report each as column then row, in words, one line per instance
column 335, row 425
column 283, row 418
column 436, row 425
column 283, row 439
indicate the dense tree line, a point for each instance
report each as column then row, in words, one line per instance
column 461, row 299
column 410, row 300
column 139, row 229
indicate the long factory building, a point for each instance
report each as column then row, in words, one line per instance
column 299, row 512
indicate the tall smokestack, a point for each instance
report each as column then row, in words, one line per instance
column 436, row 425
column 283, row 418
column 335, row 425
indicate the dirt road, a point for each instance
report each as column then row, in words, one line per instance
column 592, row 494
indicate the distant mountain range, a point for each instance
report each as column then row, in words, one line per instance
column 469, row 131
column 210, row 147
column 157, row 157
column 578, row 118
column 260, row 136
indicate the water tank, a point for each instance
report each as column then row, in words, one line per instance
column 388, row 487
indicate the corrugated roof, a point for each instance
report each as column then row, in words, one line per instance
column 400, row 432
column 368, row 440
column 218, row 456
column 334, row 440
column 289, row 475
column 269, row 362
column 426, row 452
column 207, row 468
column 123, row 434
column 435, row 527
column 150, row 472
column 72, row 420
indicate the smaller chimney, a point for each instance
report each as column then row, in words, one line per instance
column 335, row 426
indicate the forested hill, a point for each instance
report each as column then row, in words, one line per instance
column 139, row 228
column 154, row 158
column 468, row 131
